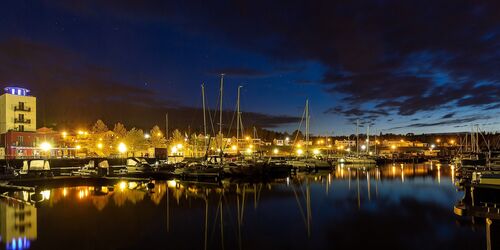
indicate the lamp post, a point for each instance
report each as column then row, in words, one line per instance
column 46, row 147
column 122, row 148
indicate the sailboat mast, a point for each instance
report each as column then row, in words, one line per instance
column 307, row 127
column 477, row 139
column 472, row 137
column 220, row 115
column 238, row 118
column 204, row 114
column 357, row 137
column 204, row 109
column 368, row 139
column 166, row 126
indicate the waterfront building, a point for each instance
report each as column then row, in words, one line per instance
column 17, row 110
column 44, row 142
column 279, row 142
column 345, row 143
column 403, row 143
column 19, row 135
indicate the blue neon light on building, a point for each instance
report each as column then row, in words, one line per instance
column 17, row 91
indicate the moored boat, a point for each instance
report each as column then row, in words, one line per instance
column 357, row 160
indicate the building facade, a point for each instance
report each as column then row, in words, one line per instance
column 20, row 144
column 17, row 110
column 19, row 135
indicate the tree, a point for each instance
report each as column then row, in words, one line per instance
column 177, row 137
column 120, row 130
column 99, row 127
column 157, row 139
column 98, row 140
column 135, row 141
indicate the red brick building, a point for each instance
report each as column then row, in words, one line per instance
column 29, row 144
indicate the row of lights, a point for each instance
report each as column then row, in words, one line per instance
column 46, row 146
column 81, row 132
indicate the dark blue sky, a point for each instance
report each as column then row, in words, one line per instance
column 403, row 66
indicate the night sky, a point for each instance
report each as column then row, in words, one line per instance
column 401, row 66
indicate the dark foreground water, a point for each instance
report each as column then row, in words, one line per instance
column 390, row 207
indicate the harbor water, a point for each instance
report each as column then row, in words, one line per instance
column 397, row 206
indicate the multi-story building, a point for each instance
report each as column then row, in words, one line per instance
column 17, row 110
column 19, row 135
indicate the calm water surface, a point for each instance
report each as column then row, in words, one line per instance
column 390, row 207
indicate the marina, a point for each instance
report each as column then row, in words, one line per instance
column 308, row 210
column 242, row 125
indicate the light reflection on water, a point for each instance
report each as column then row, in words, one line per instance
column 392, row 207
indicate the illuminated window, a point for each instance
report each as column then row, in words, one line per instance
column 20, row 140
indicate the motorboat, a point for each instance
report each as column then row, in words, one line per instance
column 93, row 168
column 357, row 160
column 199, row 170
column 35, row 167
column 486, row 177
column 308, row 164
column 135, row 165
column 212, row 167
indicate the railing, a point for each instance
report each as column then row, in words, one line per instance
column 25, row 121
column 19, row 108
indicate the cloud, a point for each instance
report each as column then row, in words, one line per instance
column 355, row 111
column 403, row 56
column 409, row 55
column 449, row 115
column 355, row 115
column 240, row 72
column 73, row 92
column 448, row 122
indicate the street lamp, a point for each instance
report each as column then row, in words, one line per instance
column 174, row 150
column 122, row 148
column 45, row 146
column 147, row 136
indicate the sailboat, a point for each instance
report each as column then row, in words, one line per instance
column 211, row 166
column 360, row 159
column 307, row 163
column 241, row 167
column 471, row 159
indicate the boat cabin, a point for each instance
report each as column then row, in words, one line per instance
column 35, row 166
